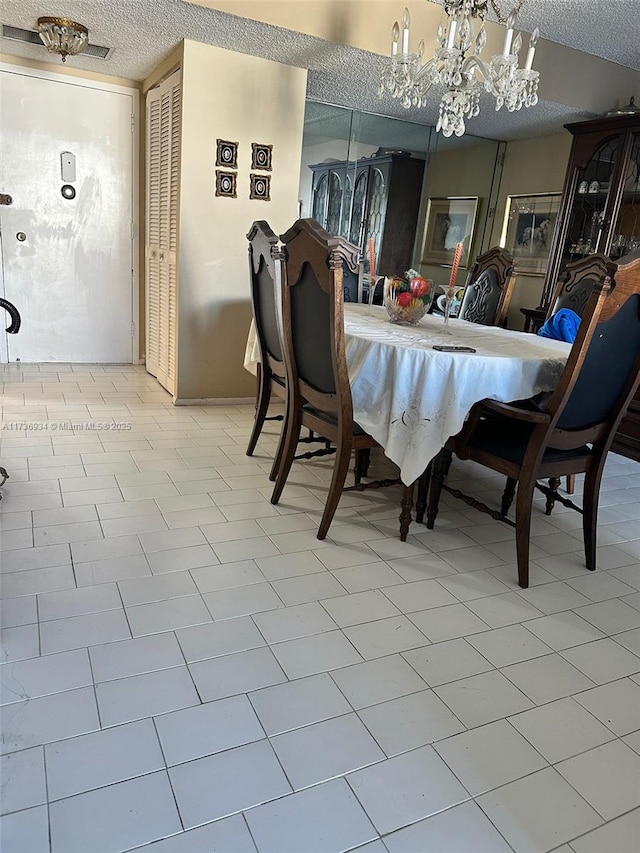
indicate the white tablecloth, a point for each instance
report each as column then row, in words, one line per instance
column 411, row 398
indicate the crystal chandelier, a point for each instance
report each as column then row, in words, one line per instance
column 62, row 36
column 457, row 65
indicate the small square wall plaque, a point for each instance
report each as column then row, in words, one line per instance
column 261, row 156
column 260, row 187
column 226, row 153
column 226, row 184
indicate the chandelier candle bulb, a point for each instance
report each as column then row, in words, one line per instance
column 507, row 42
column 532, row 49
column 406, row 20
column 452, row 34
column 395, row 35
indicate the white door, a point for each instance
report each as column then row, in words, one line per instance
column 68, row 261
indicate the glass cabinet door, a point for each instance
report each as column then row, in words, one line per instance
column 320, row 194
column 346, row 207
column 587, row 233
column 334, row 205
column 357, row 210
column 625, row 230
column 375, row 216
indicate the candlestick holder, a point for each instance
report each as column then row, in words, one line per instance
column 449, row 297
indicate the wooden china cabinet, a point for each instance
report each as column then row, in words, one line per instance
column 375, row 197
column 600, row 207
column 599, row 212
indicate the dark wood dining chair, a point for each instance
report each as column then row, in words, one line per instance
column 488, row 289
column 266, row 270
column 312, row 326
column 577, row 283
column 572, row 432
column 573, row 290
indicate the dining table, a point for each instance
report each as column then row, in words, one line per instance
column 411, row 397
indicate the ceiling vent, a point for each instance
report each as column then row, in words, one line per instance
column 33, row 37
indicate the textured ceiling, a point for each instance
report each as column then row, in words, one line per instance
column 143, row 32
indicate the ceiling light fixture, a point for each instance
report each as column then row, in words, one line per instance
column 62, row 36
column 458, row 66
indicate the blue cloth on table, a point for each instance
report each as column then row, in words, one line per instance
column 561, row 326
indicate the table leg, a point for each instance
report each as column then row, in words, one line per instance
column 405, row 512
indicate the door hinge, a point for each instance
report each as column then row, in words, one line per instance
column 133, row 330
column 133, row 123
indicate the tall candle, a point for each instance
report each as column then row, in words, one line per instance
column 372, row 259
column 457, row 257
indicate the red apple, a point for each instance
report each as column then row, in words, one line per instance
column 419, row 286
column 404, row 299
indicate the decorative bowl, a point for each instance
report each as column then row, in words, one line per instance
column 408, row 299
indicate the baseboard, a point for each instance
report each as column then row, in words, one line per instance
column 215, row 401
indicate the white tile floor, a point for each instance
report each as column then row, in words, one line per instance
column 187, row 668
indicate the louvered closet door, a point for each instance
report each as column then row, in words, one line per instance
column 163, row 169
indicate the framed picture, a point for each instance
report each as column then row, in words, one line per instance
column 449, row 221
column 261, row 156
column 260, row 187
column 529, row 223
column 226, row 153
column 226, row 184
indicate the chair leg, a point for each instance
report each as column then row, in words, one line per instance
column 262, row 404
column 554, row 485
column 439, row 471
column 361, row 469
column 590, row 514
column 292, row 427
column 340, row 469
column 277, row 459
column 406, row 505
column 508, row 495
column 423, row 491
column 524, row 504
column 571, row 484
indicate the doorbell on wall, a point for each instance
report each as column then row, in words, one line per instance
column 68, row 166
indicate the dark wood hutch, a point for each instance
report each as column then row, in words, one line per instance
column 373, row 198
column 599, row 213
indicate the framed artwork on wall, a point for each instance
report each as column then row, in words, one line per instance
column 449, row 221
column 260, row 187
column 529, row 223
column 226, row 153
column 261, row 156
column 225, row 184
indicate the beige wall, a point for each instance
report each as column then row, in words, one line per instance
column 245, row 99
column 531, row 166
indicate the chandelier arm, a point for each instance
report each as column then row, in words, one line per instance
column 473, row 63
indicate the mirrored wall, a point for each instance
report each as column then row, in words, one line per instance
column 401, row 192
